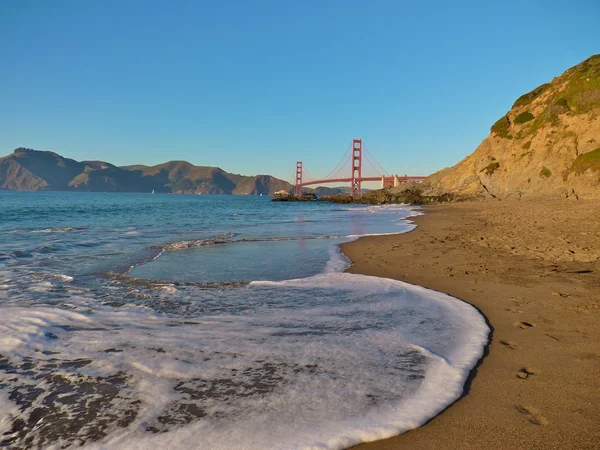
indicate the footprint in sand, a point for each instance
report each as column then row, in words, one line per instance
column 525, row 373
column 519, row 301
column 510, row 344
column 532, row 414
column 525, row 325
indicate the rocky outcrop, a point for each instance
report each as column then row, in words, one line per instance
column 547, row 145
column 411, row 194
column 285, row 196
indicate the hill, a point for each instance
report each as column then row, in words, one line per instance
column 547, row 145
column 32, row 170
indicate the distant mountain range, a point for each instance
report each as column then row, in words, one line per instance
column 32, row 170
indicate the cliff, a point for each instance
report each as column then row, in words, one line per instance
column 547, row 145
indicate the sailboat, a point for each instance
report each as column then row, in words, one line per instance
column 153, row 191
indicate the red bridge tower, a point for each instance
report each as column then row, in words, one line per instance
column 356, row 177
column 298, row 191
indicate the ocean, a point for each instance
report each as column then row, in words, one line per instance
column 214, row 322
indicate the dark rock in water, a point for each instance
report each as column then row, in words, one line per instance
column 284, row 196
column 406, row 195
column 338, row 199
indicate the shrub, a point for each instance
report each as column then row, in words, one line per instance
column 585, row 161
column 527, row 145
column 545, row 172
column 501, row 127
column 525, row 99
column 524, row 117
column 562, row 102
column 490, row 168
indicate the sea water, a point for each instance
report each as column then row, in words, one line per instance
column 179, row 321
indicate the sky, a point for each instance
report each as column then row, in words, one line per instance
column 254, row 86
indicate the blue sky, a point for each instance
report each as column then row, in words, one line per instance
column 253, row 86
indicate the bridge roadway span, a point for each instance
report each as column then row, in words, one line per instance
column 385, row 181
column 356, row 177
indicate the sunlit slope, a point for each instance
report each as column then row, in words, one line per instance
column 547, row 145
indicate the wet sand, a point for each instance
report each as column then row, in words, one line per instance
column 533, row 269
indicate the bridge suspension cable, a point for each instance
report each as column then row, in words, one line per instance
column 351, row 164
column 307, row 176
column 376, row 164
column 340, row 164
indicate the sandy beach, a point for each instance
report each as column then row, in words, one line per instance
column 533, row 269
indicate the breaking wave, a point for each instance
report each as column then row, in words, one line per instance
column 323, row 362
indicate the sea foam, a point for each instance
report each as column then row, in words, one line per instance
column 321, row 362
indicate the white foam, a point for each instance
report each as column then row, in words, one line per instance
column 61, row 276
column 300, row 364
column 54, row 230
column 8, row 410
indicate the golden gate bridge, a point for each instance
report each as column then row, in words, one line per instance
column 351, row 170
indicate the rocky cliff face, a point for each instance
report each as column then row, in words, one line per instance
column 547, row 145
column 31, row 170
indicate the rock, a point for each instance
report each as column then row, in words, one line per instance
column 284, row 196
column 412, row 195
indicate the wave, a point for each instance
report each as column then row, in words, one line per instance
column 344, row 358
column 290, row 238
column 158, row 284
column 58, row 230
column 15, row 254
column 226, row 239
column 50, row 276
column 183, row 245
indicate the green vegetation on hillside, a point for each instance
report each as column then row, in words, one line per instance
column 562, row 102
column 586, row 161
column 527, row 145
column 545, row 172
column 523, row 117
column 582, row 91
column 576, row 91
column 501, row 127
column 526, row 99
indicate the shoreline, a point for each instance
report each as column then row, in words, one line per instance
column 532, row 269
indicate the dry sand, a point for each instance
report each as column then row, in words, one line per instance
column 533, row 269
